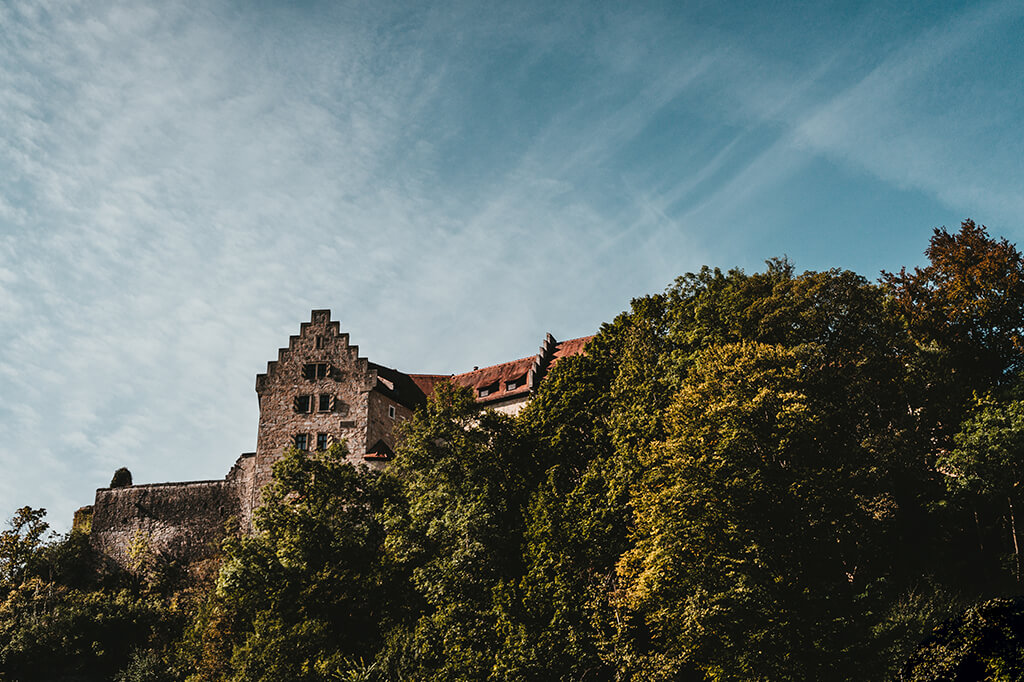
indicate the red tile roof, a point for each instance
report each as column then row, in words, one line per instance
column 494, row 378
column 570, row 347
column 426, row 382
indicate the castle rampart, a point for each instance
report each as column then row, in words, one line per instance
column 184, row 521
column 318, row 392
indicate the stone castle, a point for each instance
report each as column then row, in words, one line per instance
column 318, row 392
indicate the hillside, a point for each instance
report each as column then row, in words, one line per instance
column 768, row 476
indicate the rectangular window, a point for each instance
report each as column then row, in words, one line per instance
column 319, row 342
column 321, row 441
column 325, row 402
column 302, row 403
column 301, row 442
column 315, row 370
column 391, row 411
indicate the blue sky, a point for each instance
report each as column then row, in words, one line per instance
column 183, row 182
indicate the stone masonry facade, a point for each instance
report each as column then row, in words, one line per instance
column 318, row 392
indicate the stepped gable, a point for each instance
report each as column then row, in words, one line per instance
column 318, row 392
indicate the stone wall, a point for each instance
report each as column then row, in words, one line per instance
column 243, row 477
column 380, row 425
column 183, row 521
column 340, row 374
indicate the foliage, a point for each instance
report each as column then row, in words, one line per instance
column 306, row 592
column 986, row 642
column 122, row 478
column 19, row 547
column 767, row 476
column 58, row 622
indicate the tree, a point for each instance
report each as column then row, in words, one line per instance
column 986, row 642
column 309, row 591
column 19, row 546
column 987, row 467
column 456, row 531
column 122, row 478
column 764, row 524
column 967, row 308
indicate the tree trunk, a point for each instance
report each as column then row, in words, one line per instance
column 1013, row 529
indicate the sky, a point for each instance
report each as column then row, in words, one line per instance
column 181, row 183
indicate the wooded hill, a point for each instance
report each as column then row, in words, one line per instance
column 769, row 476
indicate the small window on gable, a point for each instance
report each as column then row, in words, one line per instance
column 301, row 441
column 315, row 370
column 319, row 342
column 302, row 403
column 322, row 440
column 325, row 402
column 391, row 411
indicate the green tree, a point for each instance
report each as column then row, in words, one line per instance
column 965, row 309
column 986, row 467
column 465, row 480
column 20, row 545
column 763, row 525
column 309, row 590
column 986, row 642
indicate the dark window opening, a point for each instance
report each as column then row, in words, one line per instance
column 319, row 342
column 302, row 403
column 391, row 411
column 301, row 442
column 315, row 370
column 325, row 402
column 321, row 441
column 488, row 390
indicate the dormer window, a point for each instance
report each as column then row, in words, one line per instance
column 303, row 403
column 487, row 390
column 315, row 370
column 517, row 382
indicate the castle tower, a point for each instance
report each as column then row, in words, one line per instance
column 320, row 392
